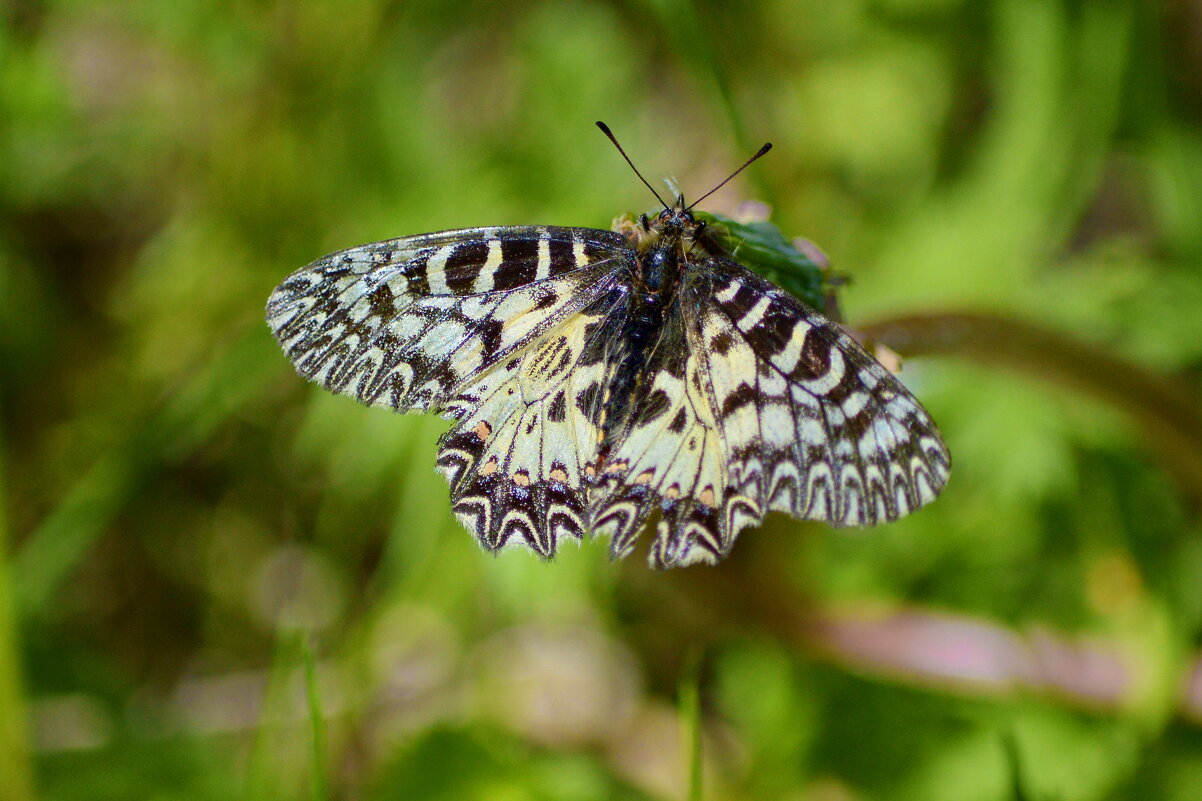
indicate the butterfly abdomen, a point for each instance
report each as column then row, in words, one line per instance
column 636, row 337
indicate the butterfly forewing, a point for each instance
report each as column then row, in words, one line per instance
column 755, row 402
column 812, row 425
column 402, row 323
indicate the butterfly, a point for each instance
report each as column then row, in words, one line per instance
column 599, row 378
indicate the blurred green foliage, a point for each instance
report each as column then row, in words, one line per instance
column 180, row 510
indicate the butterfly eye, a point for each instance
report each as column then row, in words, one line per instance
column 665, row 214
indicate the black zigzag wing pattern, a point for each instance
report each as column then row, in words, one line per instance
column 667, row 457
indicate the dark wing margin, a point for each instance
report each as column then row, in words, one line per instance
column 402, row 323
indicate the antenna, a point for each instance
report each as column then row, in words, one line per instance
column 605, row 130
column 767, row 146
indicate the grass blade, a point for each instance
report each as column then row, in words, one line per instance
column 318, row 771
column 690, row 718
column 16, row 769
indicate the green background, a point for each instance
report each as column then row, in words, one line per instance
column 220, row 582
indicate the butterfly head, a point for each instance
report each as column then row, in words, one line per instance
column 677, row 221
column 674, row 227
column 677, row 225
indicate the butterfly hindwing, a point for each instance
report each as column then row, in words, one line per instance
column 516, row 459
column 755, row 402
column 668, row 457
